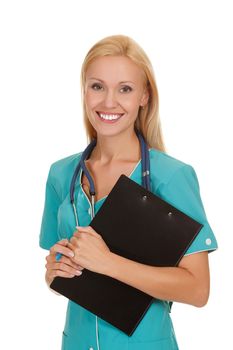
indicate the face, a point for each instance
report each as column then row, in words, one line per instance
column 114, row 91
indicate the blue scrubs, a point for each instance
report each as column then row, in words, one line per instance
column 172, row 180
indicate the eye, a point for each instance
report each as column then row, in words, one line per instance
column 96, row 86
column 126, row 88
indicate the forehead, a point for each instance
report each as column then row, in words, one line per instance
column 114, row 69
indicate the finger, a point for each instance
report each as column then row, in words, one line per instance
column 78, row 234
column 69, row 269
column 88, row 229
column 57, row 273
column 83, row 234
column 64, row 268
column 63, row 241
column 73, row 241
column 84, row 228
column 64, row 250
column 72, row 247
column 71, row 263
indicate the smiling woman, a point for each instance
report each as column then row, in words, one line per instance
column 128, row 72
column 120, row 101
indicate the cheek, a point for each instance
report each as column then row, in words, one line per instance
column 131, row 103
column 92, row 99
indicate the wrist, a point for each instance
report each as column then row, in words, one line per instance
column 111, row 265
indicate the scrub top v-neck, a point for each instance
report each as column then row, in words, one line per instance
column 99, row 201
column 172, row 180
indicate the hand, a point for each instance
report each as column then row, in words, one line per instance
column 65, row 267
column 90, row 250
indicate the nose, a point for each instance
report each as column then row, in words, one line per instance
column 110, row 100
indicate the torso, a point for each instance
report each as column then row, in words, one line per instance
column 105, row 177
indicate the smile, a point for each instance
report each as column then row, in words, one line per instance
column 110, row 117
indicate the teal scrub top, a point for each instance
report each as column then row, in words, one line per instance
column 172, row 180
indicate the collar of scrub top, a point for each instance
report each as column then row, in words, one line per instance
column 145, row 159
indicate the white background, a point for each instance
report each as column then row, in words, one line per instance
column 43, row 44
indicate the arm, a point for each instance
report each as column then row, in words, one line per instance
column 187, row 283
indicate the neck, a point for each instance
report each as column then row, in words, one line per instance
column 121, row 147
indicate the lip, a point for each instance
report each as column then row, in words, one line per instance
column 102, row 112
column 109, row 121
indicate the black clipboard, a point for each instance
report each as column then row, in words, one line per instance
column 138, row 225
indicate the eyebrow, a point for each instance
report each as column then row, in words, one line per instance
column 121, row 82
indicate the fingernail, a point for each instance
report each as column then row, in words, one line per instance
column 71, row 254
column 78, row 273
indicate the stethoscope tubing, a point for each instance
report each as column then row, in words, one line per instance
column 85, row 155
column 145, row 159
column 80, row 165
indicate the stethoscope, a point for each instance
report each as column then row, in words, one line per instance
column 145, row 160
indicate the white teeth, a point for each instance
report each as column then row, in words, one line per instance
column 109, row 116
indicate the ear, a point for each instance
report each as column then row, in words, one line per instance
column 145, row 97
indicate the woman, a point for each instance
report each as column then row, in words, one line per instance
column 119, row 94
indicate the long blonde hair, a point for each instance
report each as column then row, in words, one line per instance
column 148, row 120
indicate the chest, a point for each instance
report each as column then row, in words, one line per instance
column 105, row 177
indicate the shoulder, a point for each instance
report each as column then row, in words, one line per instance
column 164, row 167
column 61, row 172
column 61, row 166
column 176, row 182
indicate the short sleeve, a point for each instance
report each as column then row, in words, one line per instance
column 183, row 192
column 48, row 230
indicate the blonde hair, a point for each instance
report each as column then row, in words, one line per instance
column 148, row 120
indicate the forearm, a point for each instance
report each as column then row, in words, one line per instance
column 165, row 283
